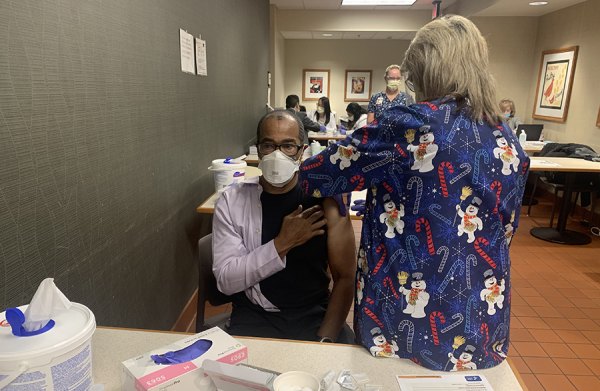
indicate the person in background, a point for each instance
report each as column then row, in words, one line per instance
column 357, row 117
column 323, row 115
column 272, row 247
column 444, row 180
column 391, row 97
column 302, row 108
column 507, row 109
column 292, row 104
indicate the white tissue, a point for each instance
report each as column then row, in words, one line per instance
column 47, row 300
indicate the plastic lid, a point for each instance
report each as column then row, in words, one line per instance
column 72, row 328
column 227, row 164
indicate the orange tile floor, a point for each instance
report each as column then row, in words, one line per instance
column 555, row 323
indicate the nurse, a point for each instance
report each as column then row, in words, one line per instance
column 433, row 277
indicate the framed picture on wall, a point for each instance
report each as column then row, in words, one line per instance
column 358, row 86
column 554, row 84
column 315, row 83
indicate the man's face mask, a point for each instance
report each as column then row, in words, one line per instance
column 278, row 168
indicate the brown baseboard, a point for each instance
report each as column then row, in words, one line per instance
column 188, row 315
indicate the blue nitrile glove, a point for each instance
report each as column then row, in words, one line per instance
column 359, row 207
column 343, row 202
column 322, row 128
column 186, row 354
column 342, row 129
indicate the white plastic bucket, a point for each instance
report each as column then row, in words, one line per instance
column 227, row 172
column 59, row 359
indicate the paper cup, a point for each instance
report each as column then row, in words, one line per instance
column 289, row 381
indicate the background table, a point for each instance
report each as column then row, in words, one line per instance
column 533, row 146
column 111, row 346
column 560, row 234
column 324, row 136
column 208, row 206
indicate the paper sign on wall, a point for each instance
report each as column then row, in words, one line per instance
column 186, row 45
column 201, row 57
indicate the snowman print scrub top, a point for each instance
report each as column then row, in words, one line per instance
column 443, row 201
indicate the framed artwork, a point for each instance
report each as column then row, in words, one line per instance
column 554, row 85
column 315, row 83
column 358, row 86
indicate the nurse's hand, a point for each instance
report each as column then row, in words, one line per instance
column 299, row 227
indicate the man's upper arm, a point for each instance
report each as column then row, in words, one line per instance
column 341, row 245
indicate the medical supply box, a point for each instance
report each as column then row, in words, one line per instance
column 142, row 373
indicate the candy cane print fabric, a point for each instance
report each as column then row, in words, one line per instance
column 443, row 201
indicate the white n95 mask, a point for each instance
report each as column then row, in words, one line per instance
column 278, row 168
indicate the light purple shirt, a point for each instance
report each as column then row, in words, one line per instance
column 240, row 261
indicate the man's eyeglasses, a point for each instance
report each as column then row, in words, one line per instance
column 288, row 149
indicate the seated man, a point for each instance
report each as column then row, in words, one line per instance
column 272, row 247
column 292, row 104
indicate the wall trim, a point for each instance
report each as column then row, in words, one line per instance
column 187, row 317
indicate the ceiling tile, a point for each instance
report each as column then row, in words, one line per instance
column 358, row 34
column 321, row 4
column 296, row 34
column 319, row 35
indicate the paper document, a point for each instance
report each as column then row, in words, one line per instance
column 545, row 163
column 449, row 382
column 186, row 46
column 201, row 57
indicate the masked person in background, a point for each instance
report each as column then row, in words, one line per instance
column 507, row 109
column 323, row 115
column 444, row 179
column 391, row 97
column 272, row 247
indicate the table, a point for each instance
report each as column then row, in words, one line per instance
column 251, row 159
column 560, row 234
column 111, row 346
column 324, row 136
column 208, row 206
column 533, row 146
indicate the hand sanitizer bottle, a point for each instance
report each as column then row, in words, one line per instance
column 522, row 137
column 315, row 147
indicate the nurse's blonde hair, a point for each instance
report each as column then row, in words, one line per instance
column 449, row 56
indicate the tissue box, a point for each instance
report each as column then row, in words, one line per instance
column 141, row 373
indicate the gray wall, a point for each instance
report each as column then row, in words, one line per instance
column 104, row 145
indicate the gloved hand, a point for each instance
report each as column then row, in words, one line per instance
column 359, row 207
column 343, row 202
column 322, row 128
column 342, row 129
column 186, row 354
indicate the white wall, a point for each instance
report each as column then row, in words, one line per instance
column 339, row 56
column 576, row 25
column 276, row 59
column 511, row 42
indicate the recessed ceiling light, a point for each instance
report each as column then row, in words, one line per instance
column 378, row 2
column 327, row 35
column 538, row 3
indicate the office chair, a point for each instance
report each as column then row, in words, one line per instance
column 559, row 187
column 207, row 289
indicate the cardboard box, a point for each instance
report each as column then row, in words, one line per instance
column 141, row 373
column 238, row 377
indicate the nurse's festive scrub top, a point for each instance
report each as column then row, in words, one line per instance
column 443, row 201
